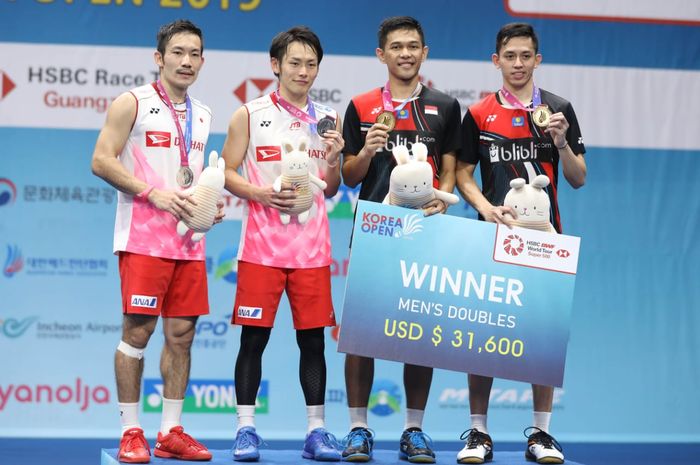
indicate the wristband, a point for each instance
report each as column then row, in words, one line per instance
column 334, row 164
column 566, row 144
column 143, row 195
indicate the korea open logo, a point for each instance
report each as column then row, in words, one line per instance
column 513, row 245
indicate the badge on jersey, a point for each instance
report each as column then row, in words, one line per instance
column 431, row 110
column 518, row 121
column 402, row 114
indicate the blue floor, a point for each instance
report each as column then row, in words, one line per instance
column 88, row 452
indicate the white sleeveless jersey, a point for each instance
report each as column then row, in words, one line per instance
column 152, row 154
column 264, row 239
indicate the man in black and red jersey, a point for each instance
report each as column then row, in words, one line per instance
column 520, row 131
column 415, row 113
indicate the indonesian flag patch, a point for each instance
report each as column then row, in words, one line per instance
column 431, row 110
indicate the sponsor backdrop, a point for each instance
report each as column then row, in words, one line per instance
column 632, row 71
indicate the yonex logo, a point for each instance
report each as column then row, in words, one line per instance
column 491, row 118
column 145, row 301
column 157, row 139
column 253, row 313
column 376, row 110
column 268, row 153
column 265, row 124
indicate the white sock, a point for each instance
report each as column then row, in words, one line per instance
column 246, row 416
column 414, row 418
column 129, row 415
column 316, row 415
column 172, row 411
column 358, row 417
column 541, row 420
column 479, row 422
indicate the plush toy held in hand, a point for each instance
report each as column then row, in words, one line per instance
column 530, row 202
column 411, row 181
column 295, row 171
column 206, row 193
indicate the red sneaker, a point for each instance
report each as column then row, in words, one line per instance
column 179, row 445
column 133, row 447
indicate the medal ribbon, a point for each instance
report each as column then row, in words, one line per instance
column 186, row 140
column 309, row 118
column 388, row 102
column 536, row 99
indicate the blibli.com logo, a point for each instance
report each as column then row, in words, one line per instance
column 385, row 398
column 204, row 396
column 227, row 266
column 8, row 192
column 13, row 262
column 392, row 226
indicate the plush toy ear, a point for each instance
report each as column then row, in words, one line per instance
column 400, row 153
column 287, row 147
column 517, row 183
column 540, row 181
column 221, row 164
column 303, row 144
column 420, row 151
column 213, row 157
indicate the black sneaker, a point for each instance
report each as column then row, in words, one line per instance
column 358, row 445
column 541, row 447
column 478, row 447
column 416, row 446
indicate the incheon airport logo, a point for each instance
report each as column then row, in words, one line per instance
column 385, row 398
column 227, row 266
column 13, row 261
column 204, row 396
column 13, row 328
column 8, row 192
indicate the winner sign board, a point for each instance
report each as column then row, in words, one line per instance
column 459, row 294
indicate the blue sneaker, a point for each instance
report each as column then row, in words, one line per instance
column 321, row 445
column 358, row 445
column 416, row 446
column 245, row 447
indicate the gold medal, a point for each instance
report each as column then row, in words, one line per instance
column 387, row 118
column 541, row 116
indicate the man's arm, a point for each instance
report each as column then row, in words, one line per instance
column 333, row 140
column 469, row 189
column 573, row 164
column 235, row 148
column 106, row 165
column 448, row 162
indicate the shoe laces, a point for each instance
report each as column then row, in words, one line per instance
column 358, row 437
column 327, row 439
column 538, row 436
column 475, row 438
column 420, row 440
column 187, row 439
column 135, row 440
column 247, row 439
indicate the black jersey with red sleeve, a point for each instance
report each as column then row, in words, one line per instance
column 432, row 118
column 508, row 145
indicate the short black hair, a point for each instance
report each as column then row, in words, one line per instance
column 398, row 22
column 280, row 43
column 511, row 30
column 167, row 31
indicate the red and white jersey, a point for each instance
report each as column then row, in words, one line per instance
column 152, row 154
column 264, row 239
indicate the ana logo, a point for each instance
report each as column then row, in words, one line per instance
column 513, row 245
column 268, row 153
column 13, row 328
column 385, row 225
column 14, row 261
column 8, row 192
column 385, row 398
column 6, row 85
column 227, row 266
column 252, row 313
column 204, row 396
column 563, row 253
column 157, row 139
column 491, row 118
column 145, row 301
column 253, row 88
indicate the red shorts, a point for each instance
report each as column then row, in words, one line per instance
column 260, row 288
column 162, row 286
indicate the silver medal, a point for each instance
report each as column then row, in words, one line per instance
column 184, row 176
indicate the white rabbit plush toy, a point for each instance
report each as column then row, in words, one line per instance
column 295, row 171
column 411, row 181
column 530, row 202
column 206, row 193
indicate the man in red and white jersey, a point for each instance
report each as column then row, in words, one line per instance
column 151, row 149
column 414, row 113
column 278, row 256
column 520, row 131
